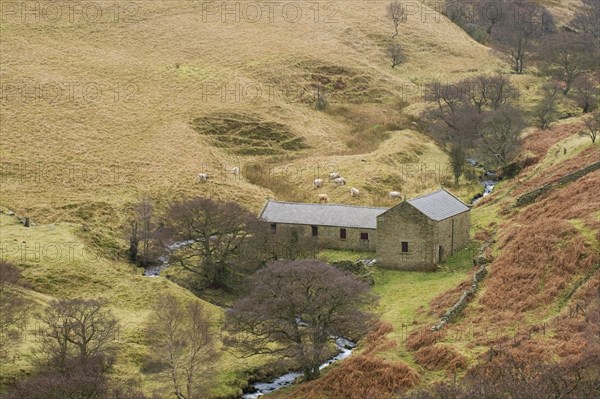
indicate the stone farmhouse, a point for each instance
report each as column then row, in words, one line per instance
column 416, row 234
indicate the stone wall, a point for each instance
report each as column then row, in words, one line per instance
column 405, row 223
column 452, row 235
column 329, row 236
column 456, row 309
column 530, row 196
column 424, row 237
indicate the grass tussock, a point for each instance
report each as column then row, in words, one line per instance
column 588, row 156
column 365, row 375
column 423, row 337
column 440, row 357
column 536, row 265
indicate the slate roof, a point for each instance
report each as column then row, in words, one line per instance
column 321, row 214
column 439, row 205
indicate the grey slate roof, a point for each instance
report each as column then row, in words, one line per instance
column 439, row 205
column 321, row 214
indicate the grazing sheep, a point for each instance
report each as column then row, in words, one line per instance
column 340, row 181
column 317, row 183
column 235, row 170
column 354, row 192
column 202, row 176
column 334, row 175
column 394, row 194
column 323, row 198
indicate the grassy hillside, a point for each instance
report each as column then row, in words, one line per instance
column 97, row 113
column 545, row 262
column 57, row 264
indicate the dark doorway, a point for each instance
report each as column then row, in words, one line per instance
column 440, row 254
column 343, row 234
column 315, row 231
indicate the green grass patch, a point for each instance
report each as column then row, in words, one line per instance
column 335, row 255
column 405, row 295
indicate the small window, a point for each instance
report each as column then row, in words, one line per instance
column 315, row 231
column 364, row 236
column 343, row 234
column 404, row 246
column 273, row 228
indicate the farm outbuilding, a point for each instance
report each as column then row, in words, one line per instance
column 416, row 234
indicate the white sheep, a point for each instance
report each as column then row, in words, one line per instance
column 323, row 198
column 235, row 170
column 354, row 192
column 334, row 175
column 202, row 176
column 394, row 194
column 317, row 183
column 339, row 181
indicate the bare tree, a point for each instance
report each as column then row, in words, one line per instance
column 592, row 125
column 397, row 13
column 566, row 56
column 214, row 233
column 586, row 93
column 183, row 338
column 87, row 380
column 459, row 12
column 501, row 134
column 545, row 113
column 457, row 161
column 143, row 230
column 513, row 34
column 454, row 118
column 76, row 329
column 294, row 308
column 396, row 54
column 485, row 91
column 14, row 309
column 587, row 16
column 321, row 102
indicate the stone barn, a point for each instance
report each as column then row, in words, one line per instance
column 414, row 235
column 335, row 226
column 419, row 233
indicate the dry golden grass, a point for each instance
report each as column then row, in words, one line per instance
column 365, row 375
column 165, row 62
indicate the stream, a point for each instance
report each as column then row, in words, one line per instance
column 490, row 179
column 154, row 271
column 345, row 346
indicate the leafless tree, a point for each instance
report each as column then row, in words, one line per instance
column 566, row 56
column 397, row 13
column 545, row 111
column 592, row 125
column 453, row 118
column 294, row 308
column 14, row 308
column 586, row 93
column 513, row 34
column 87, row 380
column 501, row 134
column 215, row 233
column 587, row 16
column 459, row 12
column 396, row 54
column 183, row 337
column 143, row 230
column 485, row 91
column 457, row 161
column 76, row 329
